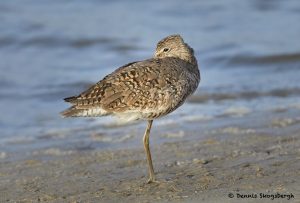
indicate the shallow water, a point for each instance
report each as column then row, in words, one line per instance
column 248, row 51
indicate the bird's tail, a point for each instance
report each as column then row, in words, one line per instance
column 83, row 112
column 72, row 112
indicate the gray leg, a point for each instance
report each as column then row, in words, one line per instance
column 147, row 150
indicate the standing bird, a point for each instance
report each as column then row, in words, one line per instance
column 143, row 90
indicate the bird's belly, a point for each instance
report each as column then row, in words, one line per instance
column 145, row 114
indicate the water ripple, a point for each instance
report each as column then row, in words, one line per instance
column 239, row 60
column 53, row 42
column 245, row 95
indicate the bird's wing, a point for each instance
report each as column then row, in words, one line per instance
column 94, row 90
column 135, row 86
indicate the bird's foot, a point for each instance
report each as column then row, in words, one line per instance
column 152, row 180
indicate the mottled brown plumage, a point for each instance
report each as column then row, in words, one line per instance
column 144, row 89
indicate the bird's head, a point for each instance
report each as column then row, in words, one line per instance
column 174, row 46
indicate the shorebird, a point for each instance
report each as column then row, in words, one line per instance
column 143, row 90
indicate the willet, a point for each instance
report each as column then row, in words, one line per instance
column 143, row 90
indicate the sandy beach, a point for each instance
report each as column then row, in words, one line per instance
column 252, row 164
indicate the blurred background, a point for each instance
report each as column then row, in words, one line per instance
column 248, row 52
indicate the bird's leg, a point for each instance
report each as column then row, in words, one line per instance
column 147, row 150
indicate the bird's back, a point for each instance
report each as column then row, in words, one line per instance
column 140, row 90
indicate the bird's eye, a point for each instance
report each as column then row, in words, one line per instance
column 166, row 49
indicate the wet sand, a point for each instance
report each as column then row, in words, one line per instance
column 263, row 158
